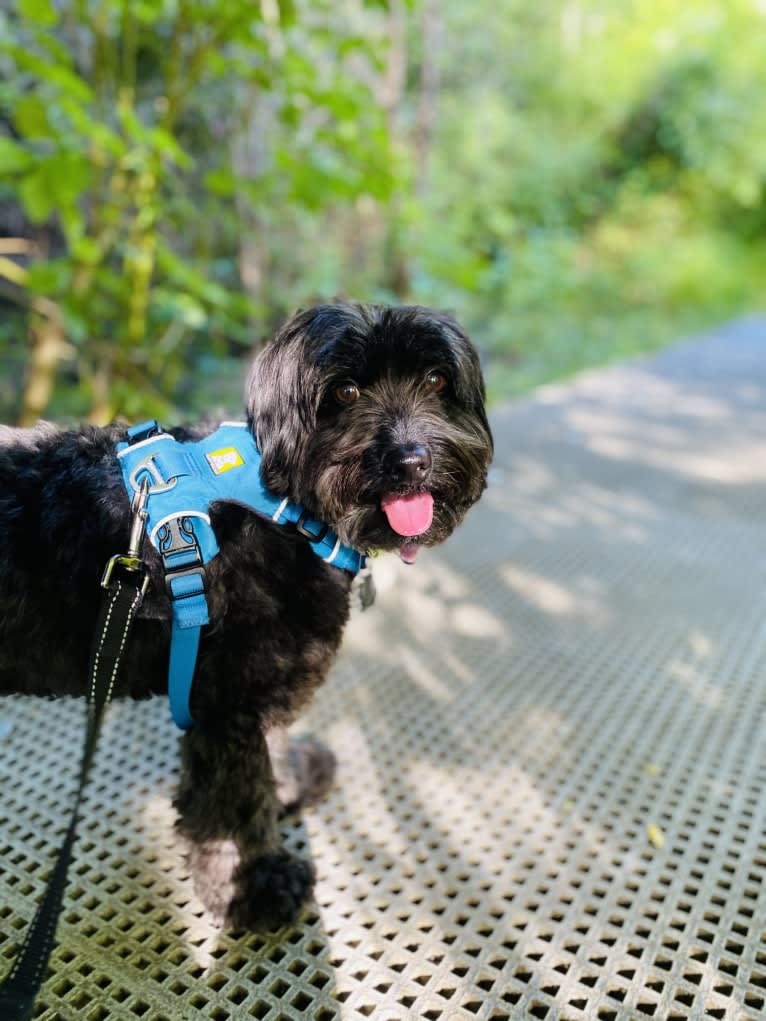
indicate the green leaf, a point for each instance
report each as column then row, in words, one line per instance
column 57, row 48
column 221, row 182
column 77, row 327
column 14, row 158
column 40, row 12
column 100, row 134
column 148, row 11
column 31, row 117
column 168, row 147
column 36, row 196
column 51, row 277
column 63, row 78
column 87, row 251
column 57, row 183
column 72, row 220
column 178, row 306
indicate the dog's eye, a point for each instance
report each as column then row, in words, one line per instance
column 347, row 393
column 436, row 382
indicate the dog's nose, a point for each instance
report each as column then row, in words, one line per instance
column 410, row 463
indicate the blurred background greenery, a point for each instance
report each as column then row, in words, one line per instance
column 575, row 179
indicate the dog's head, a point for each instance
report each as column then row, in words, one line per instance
column 373, row 418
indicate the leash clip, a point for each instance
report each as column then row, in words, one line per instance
column 131, row 561
column 140, row 514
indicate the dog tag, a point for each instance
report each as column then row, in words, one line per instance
column 365, row 588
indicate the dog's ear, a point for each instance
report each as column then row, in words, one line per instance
column 476, row 393
column 281, row 399
column 469, row 383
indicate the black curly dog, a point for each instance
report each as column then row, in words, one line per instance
column 372, row 418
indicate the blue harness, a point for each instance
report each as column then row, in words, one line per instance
column 184, row 479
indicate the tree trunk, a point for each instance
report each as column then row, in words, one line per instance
column 48, row 349
column 396, row 269
column 251, row 157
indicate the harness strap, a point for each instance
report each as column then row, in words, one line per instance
column 185, row 581
column 184, row 646
column 123, row 593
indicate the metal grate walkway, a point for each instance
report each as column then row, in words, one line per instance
column 552, row 785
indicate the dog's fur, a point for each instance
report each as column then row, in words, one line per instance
column 277, row 611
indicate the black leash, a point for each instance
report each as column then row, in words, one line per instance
column 125, row 582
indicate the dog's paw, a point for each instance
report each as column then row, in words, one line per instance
column 270, row 892
column 309, row 775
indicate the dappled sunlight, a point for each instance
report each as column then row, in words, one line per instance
column 420, row 603
column 700, row 645
column 547, row 595
column 693, row 669
column 666, row 403
column 697, row 683
column 423, row 670
column 645, row 420
column 542, row 503
column 472, row 621
column 550, row 798
column 474, row 847
column 550, row 778
column 735, row 463
column 200, row 933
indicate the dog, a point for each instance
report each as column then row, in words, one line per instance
column 371, row 417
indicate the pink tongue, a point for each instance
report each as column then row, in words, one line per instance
column 409, row 515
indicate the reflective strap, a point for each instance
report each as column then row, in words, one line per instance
column 126, row 449
column 335, row 552
column 280, row 511
column 348, row 559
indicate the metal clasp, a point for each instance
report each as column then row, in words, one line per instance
column 140, row 514
column 131, row 561
column 158, row 483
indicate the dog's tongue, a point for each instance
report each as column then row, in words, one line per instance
column 409, row 515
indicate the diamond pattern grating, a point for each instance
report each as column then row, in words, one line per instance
column 550, row 800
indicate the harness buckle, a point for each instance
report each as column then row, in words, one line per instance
column 181, row 557
column 300, row 527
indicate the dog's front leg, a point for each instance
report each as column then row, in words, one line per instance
column 228, row 811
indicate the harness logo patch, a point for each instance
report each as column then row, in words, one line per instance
column 224, row 460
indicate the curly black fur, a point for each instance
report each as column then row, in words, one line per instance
column 277, row 611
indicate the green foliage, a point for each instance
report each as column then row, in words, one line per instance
column 602, row 187
column 593, row 183
column 125, row 122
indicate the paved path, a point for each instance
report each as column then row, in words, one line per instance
column 551, row 794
